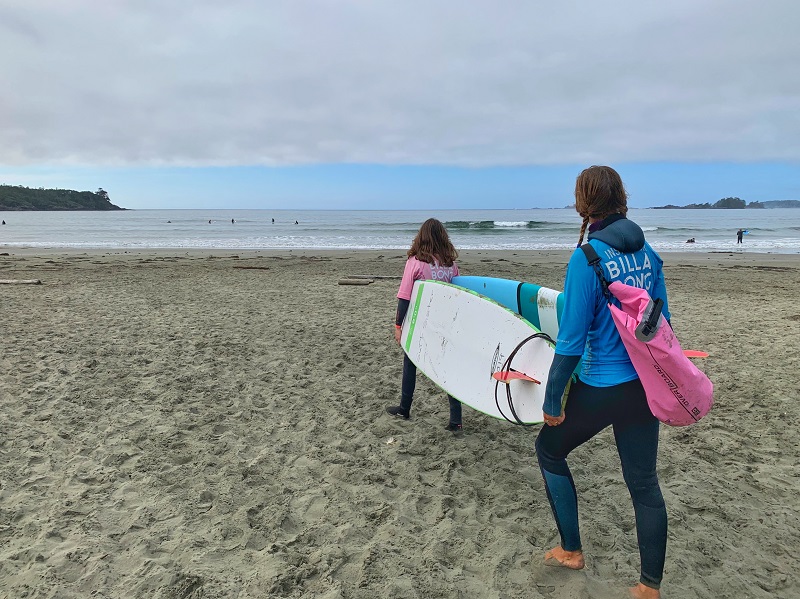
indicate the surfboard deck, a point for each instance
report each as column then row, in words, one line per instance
column 459, row 339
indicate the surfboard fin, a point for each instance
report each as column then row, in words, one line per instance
column 505, row 376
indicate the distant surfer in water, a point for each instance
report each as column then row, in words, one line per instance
column 431, row 256
column 739, row 235
column 608, row 391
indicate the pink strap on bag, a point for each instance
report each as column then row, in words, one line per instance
column 678, row 393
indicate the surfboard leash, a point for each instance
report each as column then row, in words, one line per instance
column 507, row 367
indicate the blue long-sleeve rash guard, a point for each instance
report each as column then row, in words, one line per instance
column 587, row 328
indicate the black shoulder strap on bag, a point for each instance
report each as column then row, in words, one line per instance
column 594, row 261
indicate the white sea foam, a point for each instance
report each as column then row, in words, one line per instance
column 501, row 223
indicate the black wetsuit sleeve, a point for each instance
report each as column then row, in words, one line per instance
column 402, row 309
column 560, row 371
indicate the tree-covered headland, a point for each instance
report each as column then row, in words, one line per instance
column 16, row 197
column 734, row 203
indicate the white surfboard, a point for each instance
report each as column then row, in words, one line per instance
column 460, row 339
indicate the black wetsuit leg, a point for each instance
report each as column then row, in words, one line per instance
column 455, row 410
column 409, row 384
column 637, row 443
column 588, row 411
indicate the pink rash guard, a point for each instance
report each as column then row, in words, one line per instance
column 422, row 271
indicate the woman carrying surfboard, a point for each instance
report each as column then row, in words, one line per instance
column 608, row 391
column 431, row 257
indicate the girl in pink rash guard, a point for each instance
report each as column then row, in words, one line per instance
column 431, row 257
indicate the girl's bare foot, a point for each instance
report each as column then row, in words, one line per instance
column 560, row 558
column 641, row 591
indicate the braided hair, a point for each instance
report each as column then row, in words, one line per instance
column 599, row 192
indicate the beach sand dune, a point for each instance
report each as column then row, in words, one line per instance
column 175, row 426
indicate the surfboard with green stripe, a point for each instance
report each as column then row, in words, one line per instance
column 458, row 338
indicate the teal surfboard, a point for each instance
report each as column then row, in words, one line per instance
column 541, row 306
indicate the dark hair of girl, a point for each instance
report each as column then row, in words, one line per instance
column 599, row 192
column 432, row 244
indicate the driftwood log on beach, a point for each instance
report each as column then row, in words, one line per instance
column 374, row 277
column 20, row 281
column 355, row 281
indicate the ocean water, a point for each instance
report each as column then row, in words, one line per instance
column 769, row 231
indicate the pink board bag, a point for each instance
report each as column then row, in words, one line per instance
column 678, row 392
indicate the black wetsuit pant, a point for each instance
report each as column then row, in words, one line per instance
column 410, row 383
column 588, row 411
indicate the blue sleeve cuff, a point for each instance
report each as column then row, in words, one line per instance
column 560, row 371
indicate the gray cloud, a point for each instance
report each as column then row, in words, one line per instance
column 478, row 83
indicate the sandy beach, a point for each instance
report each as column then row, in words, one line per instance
column 211, row 425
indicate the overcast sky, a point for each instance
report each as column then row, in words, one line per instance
column 151, row 90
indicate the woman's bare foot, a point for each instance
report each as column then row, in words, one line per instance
column 641, row 591
column 560, row 558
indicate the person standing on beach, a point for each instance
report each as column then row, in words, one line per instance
column 739, row 235
column 431, row 256
column 608, row 391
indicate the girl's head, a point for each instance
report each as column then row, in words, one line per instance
column 599, row 192
column 432, row 244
